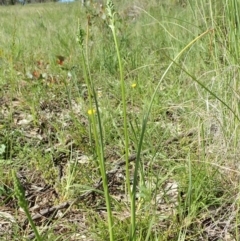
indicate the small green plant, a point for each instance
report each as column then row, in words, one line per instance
column 22, row 202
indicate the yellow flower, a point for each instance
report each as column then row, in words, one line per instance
column 134, row 85
column 91, row 111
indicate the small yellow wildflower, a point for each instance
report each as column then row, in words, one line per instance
column 134, row 85
column 91, row 111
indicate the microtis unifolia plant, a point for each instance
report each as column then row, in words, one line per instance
column 96, row 125
column 111, row 15
column 22, row 202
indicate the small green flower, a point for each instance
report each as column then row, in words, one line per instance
column 80, row 35
column 19, row 191
column 110, row 8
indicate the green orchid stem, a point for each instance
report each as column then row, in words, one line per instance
column 38, row 237
column 126, row 137
column 98, row 137
column 124, row 109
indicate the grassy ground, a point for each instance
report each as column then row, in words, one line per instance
column 188, row 175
